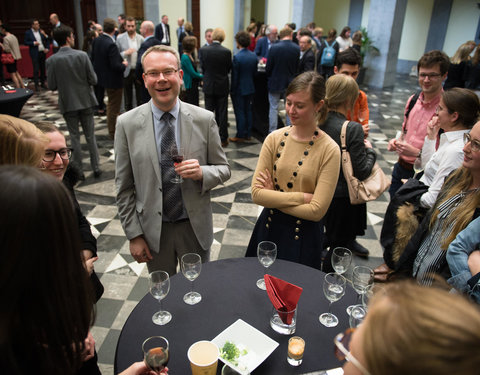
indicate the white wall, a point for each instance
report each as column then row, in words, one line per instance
column 217, row 13
column 279, row 13
column 415, row 29
column 330, row 14
column 462, row 25
column 174, row 10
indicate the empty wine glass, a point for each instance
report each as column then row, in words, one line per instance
column 156, row 353
column 334, row 289
column 267, row 253
column 357, row 316
column 362, row 278
column 159, row 288
column 191, row 264
column 177, row 154
column 341, row 259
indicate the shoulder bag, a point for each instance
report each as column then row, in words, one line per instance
column 366, row 190
column 7, row 58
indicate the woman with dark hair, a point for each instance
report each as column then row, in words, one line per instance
column 325, row 65
column 87, row 42
column 344, row 221
column 42, row 278
column 457, row 71
column 296, row 176
column 344, row 41
column 10, row 45
column 191, row 77
column 252, row 30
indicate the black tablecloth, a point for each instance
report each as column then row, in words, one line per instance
column 11, row 102
column 228, row 293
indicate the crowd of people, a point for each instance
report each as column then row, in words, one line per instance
column 431, row 229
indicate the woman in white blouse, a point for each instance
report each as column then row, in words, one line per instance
column 457, row 112
column 344, row 41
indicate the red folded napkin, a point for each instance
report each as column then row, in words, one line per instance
column 283, row 295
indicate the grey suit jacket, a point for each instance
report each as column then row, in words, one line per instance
column 138, row 176
column 122, row 44
column 71, row 73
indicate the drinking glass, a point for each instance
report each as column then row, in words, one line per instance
column 177, row 154
column 362, row 279
column 156, row 353
column 191, row 266
column 341, row 259
column 334, row 289
column 159, row 287
column 267, row 253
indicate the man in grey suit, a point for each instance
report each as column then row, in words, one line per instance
column 128, row 44
column 164, row 220
column 71, row 73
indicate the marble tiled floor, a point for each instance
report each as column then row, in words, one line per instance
column 234, row 216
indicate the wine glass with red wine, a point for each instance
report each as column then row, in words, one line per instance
column 177, row 154
column 156, row 353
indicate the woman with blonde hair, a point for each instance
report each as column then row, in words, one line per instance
column 296, row 176
column 414, row 330
column 456, row 206
column 344, row 221
column 457, row 72
column 20, row 142
column 473, row 71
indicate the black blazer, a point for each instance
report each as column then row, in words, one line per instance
column 282, row 63
column 216, row 62
column 159, row 33
column 307, row 62
column 107, row 62
column 29, row 41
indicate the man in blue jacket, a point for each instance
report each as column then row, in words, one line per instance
column 109, row 67
column 282, row 62
column 243, row 88
column 37, row 41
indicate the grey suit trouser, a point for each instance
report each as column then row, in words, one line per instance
column 176, row 240
column 85, row 118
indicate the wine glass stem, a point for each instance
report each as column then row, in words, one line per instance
column 161, row 307
column 192, row 286
column 330, row 308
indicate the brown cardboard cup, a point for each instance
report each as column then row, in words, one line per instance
column 203, row 357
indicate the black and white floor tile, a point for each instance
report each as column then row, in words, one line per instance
column 234, row 215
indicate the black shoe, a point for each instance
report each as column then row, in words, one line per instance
column 97, row 173
column 358, row 249
column 81, row 177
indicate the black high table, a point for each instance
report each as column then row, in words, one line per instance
column 12, row 101
column 229, row 293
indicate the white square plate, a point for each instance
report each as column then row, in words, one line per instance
column 245, row 337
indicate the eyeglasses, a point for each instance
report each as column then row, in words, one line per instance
column 475, row 145
column 429, row 75
column 166, row 73
column 50, row 155
column 342, row 352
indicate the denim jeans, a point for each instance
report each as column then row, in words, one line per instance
column 273, row 99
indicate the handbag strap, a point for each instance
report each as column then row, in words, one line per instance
column 343, row 136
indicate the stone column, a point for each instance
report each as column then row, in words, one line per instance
column 303, row 12
column 438, row 24
column 385, row 23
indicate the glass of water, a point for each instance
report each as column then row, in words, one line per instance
column 341, row 259
column 191, row 265
column 334, row 289
column 159, row 287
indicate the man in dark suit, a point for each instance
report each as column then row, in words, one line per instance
column 265, row 42
column 282, row 62
column 307, row 56
column 162, row 31
column 243, row 87
column 71, row 73
column 146, row 29
column 216, row 62
column 37, row 41
column 163, row 220
column 109, row 66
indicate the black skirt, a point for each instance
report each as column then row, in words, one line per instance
column 344, row 221
column 297, row 240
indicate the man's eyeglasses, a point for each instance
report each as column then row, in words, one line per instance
column 475, row 145
column 342, row 349
column 50, row 155
column 429, row 75
column 166, row 73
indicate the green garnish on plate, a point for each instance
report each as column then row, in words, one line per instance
column 231, row 353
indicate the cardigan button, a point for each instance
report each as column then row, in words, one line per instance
column 296, row 238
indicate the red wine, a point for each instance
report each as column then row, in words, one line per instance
column 177, row 158
column 157, row 358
